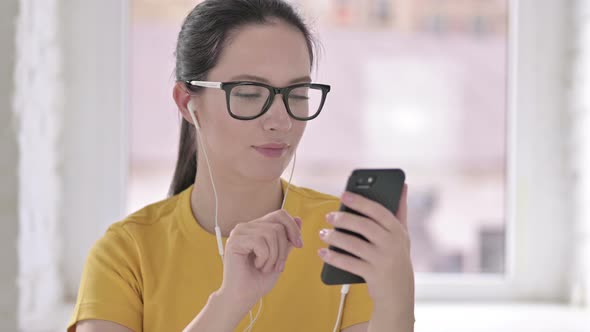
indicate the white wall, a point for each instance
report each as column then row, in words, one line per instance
column 38, row 97
column 579, row 145
column 8, row 175
column 63, row 145
column 542, row 211
column 94, row 129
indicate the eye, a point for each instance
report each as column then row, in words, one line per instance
column 247, row 95
column 249, row 92
column 300, row 94
column 298, row 97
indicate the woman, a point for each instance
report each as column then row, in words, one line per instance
column 160, row 269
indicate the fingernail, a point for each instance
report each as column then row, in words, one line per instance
column 323, row 233
column 322, row 252
column 298, row 221
column 300, row 242
column 282, row 266
column 330, row 216
column 346, row 197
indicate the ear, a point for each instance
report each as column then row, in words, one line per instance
column 182, row 97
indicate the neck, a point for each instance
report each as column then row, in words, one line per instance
column 240, row 200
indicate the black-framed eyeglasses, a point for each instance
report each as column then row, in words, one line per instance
column 250, row 100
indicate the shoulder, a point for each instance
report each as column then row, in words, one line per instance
column 155, row 218
column 152, row 221
column 153, row 214
column 313, row 195
column 312, row 200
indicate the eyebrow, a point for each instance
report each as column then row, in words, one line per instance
column 303, row 79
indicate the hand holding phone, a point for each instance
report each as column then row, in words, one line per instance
column 383, row 186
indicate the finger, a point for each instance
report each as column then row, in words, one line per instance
column 402, row 211
column 261, row 251
column 285, row 247
column 358, row 247
column 265, row 234
column 298, row 221
column 246, row 244
column 358, row 224
column 293, row 231
column 345, row 262
column 380, row 214
column 269, row 235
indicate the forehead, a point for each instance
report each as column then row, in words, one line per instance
column 276, row 51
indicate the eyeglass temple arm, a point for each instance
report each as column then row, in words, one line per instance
column 206, row 84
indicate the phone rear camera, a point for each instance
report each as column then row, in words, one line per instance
column 365, row 182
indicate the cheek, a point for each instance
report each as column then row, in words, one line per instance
column 222, row 131
column 230, row 134
column 214, row 107
column 298, row 130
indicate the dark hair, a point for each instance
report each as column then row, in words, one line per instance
column 201, row 40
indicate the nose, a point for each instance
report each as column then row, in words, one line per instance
column 277, row 118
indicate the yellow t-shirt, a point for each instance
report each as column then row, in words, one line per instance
column 155, row 270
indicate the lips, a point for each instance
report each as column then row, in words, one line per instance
column 273, row 146
column 272, row 150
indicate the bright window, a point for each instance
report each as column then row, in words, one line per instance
column 420, row 85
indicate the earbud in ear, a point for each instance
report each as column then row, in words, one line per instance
column 191, row 110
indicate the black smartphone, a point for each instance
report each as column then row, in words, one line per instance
column 383, row 186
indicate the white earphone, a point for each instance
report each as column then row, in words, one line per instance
column 344, row 289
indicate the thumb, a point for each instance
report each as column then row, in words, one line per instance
column 402, row 210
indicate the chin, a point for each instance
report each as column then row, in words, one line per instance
column 264, row 170
column 264, row 173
